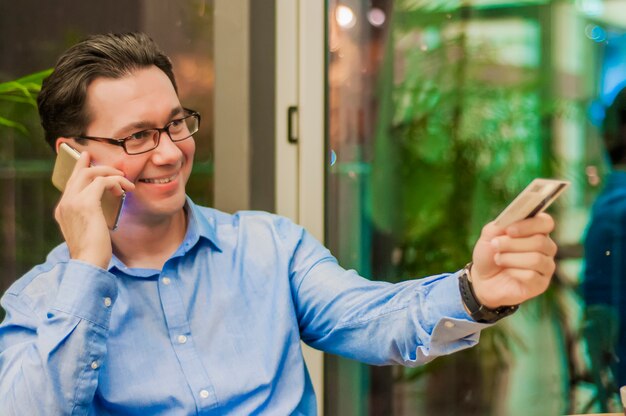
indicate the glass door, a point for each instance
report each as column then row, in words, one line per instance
column 438, row 113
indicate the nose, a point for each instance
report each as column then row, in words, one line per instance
column 167, row 152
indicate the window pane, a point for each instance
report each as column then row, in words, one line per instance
column 440, row 113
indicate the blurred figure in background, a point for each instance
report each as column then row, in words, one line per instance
column 603, row 287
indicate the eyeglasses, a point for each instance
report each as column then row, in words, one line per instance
column 147, row 140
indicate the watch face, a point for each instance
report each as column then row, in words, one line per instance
column 486, row 315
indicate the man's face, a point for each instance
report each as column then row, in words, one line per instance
column 119, row 107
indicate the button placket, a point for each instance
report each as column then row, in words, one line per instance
column 181, row 338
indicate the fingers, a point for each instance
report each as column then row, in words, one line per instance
column 539, row 243
column 84, row 174
column 540, row 224
column 527, row 246
column 514, row 264
column 83, row 161
column 532, row 283
column 531, row 261
column 490, row 231
column 515, row 286
column 116, row 184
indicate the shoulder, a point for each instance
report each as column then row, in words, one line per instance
column 43, row 277
column 248, row 220
column 250, row 228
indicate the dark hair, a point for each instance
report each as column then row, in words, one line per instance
column 614, row 129
column 63, row 95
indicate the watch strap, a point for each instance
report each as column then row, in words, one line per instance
column 478, row 311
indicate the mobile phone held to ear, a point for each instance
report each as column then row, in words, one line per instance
column 63, row 167
column 535, row 198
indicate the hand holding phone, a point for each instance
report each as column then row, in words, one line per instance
column 535, row 198
column 63, row 167
column 82, row 214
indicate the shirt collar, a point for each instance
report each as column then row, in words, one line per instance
column 200, row 225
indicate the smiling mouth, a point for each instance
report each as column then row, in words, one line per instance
column 159, row 181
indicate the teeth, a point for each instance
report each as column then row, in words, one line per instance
column 159, row 181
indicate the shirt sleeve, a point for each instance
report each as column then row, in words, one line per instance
column 53, row 340
column 407, row 323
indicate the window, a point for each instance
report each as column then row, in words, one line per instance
column 439, row 113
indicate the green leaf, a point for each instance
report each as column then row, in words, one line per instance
column 25, row 87
column 12, row 124
column 15, row 99
column 35, row 78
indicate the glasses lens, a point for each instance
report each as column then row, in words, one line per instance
column 183, row 128
column 142, row 141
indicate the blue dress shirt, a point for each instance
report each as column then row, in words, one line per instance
column 217, row 331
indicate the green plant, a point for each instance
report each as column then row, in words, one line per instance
column 462, row 134
column 21, row 91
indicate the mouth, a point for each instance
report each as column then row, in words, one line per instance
column 159, row 181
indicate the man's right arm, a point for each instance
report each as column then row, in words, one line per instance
column 53, row 340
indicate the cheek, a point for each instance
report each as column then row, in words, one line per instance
column 131, row 168
column 189, row 149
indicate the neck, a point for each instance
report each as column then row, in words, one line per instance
column 149, row 242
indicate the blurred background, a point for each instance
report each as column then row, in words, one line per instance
column 436, row 113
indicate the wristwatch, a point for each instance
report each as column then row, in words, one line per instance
column 478, row 311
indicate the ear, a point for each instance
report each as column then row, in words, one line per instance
column 63, row 140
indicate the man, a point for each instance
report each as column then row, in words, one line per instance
column 603, row 287
column 187, row 310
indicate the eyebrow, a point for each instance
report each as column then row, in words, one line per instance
column 141, row 125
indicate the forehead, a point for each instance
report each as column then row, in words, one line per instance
column 145, row 94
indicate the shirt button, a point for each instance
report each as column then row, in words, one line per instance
column 166, row 280
column 204, row 394
column 95, row 365
column 107, row 301
column 449, row 324
column 182, row 339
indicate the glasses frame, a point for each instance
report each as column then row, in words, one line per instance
column 122, row 142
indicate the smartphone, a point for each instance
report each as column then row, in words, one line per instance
column 535, row 198
column 63, row 167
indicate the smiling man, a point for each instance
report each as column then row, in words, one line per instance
column 187, row 310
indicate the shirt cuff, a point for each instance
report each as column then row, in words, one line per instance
column 456, row 329
column 449, row 303
column 87, row 292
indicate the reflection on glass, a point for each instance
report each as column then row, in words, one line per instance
column 440, row 112
column 603, row 287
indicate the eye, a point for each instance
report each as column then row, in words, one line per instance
column 177, row 125
column 142, row 135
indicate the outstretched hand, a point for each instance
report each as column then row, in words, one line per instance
column 514, row 264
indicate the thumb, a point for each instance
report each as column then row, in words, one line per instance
column 490, row 231
column 485, row 251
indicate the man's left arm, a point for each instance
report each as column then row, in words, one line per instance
column 412, row 322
